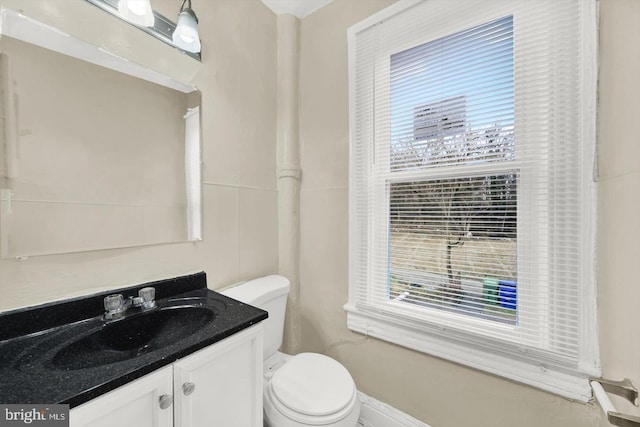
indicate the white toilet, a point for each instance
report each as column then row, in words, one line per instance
column 307, row 389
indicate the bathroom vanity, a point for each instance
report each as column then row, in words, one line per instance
column 218, row 385
column 193, row 358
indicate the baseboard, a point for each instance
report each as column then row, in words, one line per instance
column 374, row 413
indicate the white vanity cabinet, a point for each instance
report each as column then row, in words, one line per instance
column 134, row 404
column 220, row 385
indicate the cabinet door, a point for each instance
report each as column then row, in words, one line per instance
column 221, row 385
column 136, row 404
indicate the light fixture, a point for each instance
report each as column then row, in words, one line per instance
column 185, row 36
column 137, row 12
column 163, row 27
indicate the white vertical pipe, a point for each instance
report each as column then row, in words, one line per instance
column 289, row 172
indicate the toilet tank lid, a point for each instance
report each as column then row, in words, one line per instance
column 260, row 290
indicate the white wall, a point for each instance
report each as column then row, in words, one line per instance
column 237, row 78
column 433, row 390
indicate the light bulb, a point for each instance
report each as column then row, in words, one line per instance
column 137, row 12
column 187, row 37
column 137, row 6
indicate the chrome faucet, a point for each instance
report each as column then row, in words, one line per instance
column 115, row 304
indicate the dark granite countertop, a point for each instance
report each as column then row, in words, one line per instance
column 41, row 362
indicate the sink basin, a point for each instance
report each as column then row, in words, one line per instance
column 133, row 336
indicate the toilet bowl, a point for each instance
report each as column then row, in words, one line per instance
column 307, row 389
column 310, row 389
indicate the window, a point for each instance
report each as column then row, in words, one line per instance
column 471, row 197
column 453, row 231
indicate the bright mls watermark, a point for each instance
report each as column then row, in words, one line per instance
column 34, row 415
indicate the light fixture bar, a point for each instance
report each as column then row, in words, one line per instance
column 162, row 29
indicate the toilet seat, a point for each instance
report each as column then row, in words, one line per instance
column 312, row 389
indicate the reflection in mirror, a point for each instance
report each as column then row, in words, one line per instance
column 92, row 158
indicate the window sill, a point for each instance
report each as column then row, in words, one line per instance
column 572, row 385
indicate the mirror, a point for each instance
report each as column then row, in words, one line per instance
column 96, row 152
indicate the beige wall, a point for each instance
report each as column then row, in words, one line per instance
column 619, row 192
column 435, row 391
column 237, row 78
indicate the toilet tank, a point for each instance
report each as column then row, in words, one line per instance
column 270, row 294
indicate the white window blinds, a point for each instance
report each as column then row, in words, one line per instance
column 452, row 229
column 471, row 198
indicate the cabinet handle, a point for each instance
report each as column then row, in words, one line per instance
column 165, row 401
column 188, row 388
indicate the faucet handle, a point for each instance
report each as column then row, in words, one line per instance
column 114, row 303
column 148, row 296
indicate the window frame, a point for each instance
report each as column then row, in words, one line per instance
column 450, row 339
